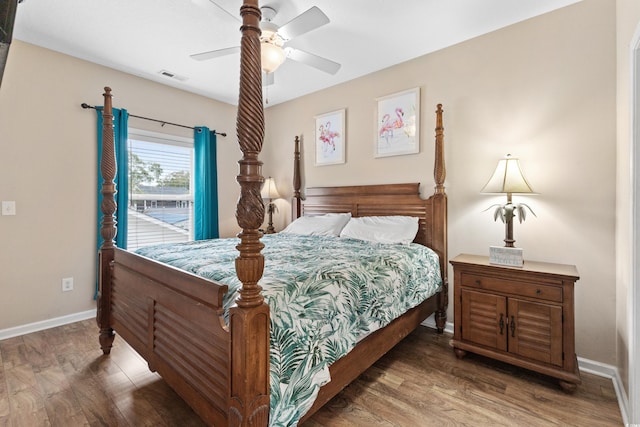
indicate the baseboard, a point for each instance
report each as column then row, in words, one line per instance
column 608, row 371
column 585, row 365
column 46, row 324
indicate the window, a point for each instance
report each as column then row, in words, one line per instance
column 160, row 188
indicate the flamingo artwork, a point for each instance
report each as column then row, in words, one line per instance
column 398, row 123
column 330, row 133
column 386, row 130
column 323, row 137
column 328, row 136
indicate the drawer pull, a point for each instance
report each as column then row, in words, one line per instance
column 478, row 282
column 538, row 291
column 513, row 327
column 501, row 323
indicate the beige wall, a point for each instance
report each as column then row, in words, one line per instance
column 627, row 26
column 48, row 166
column 543, row 90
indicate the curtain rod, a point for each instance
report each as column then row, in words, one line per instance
column 85, row 106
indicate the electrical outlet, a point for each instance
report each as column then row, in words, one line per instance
column 67, row 284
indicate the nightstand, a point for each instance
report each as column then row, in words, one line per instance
column 523, row 316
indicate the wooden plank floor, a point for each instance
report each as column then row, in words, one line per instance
column 59, row 377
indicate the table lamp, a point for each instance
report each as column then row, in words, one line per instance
column 269, row 191
column 509, row 179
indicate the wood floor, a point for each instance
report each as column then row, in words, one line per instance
column 59, row 377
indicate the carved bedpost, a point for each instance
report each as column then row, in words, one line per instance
column 249, row 321
column 296, row 205
column 439, row 169
column 108, row 228
column 440, row 217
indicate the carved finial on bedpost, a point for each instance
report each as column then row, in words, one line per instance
column 439, row 170
column 249, row 321
column 108, row 227
column 296, row 180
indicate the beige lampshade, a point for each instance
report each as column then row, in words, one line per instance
column 507, row 178
column 269, row 190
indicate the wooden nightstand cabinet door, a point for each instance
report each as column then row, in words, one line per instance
column 484, row 319
column 535, row 331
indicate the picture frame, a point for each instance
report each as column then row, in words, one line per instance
column 398, row 124
column 330, row 138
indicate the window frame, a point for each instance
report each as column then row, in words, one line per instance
column 172, row 140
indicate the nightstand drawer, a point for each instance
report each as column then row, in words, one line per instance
column 525, row 289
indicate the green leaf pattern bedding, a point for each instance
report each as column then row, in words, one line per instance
column 324, row 293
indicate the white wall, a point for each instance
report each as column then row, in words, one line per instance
column 48, row 166
column 542, row 90
column 627, row 26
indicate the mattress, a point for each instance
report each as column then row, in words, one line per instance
column 324, row 293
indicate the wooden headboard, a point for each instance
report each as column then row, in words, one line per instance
column 386, row 199
column 372, row 200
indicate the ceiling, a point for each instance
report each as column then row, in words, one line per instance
column 145, row 37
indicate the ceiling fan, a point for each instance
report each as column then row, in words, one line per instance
column 274, row 39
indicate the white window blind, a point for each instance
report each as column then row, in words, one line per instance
column 160, row 189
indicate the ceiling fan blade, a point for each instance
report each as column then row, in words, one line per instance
column 303, row 23
column 215, row 53
column 315, row 61
column 236, row 18
column 268, row 79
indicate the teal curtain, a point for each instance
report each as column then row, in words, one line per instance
column 205, row 182
column 120, row 136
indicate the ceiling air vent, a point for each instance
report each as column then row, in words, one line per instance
column 171, row 75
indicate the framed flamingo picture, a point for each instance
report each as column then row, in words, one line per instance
column 330, row 138
column 398, row 124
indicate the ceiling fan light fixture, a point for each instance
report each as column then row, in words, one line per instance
column 271, row 56
column 273, row 40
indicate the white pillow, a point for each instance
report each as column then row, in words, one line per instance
column 320, row 225
column 382, row 229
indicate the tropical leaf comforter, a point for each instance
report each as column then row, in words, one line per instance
column 324, row 293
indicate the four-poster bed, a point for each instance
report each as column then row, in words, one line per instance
column 218, row 361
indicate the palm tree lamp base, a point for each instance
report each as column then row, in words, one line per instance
column 270, row 209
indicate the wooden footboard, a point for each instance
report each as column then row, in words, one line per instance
column 172, row 318
column 175, row 321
